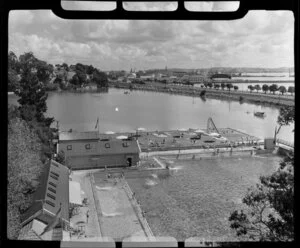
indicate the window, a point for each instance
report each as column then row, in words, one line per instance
column 54, row 177
column 125, row 144
column 69, row 147
column 50, row 203
column 55, row 164
column 51, row 196
column 52, row 184
column 107, row 145
column 52, row 190
column 54, row 173
column 88, row 146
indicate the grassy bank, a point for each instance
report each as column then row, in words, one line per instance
column 258, row 98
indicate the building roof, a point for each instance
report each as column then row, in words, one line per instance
column 53, row 190
column 34, row 228
column 220, row 75
column 67, row 136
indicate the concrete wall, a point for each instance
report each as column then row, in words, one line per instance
column 100, row 161
column 200, row 153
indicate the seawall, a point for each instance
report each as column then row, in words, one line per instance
column 258, row 98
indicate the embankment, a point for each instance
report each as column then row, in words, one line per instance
column 241, row 96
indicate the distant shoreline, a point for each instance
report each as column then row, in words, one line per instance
column 258, row 98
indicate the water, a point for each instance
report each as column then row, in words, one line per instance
column 157, row 111
column 196, row 201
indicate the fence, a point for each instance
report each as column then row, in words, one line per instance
column 286, row 143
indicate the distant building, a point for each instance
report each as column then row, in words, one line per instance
column 148, row 77
column 132, row 75
column 52, row 194
column 179, row 73
column 220, row 77
column 85, row 150
column 195, row 79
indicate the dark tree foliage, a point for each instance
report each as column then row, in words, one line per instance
column 269, row 211
column 32, row 93
column 100, row 78
column 282, row 89
column 235, row 87
column 273, row 88
column 229, row 86
column 265, row 88
column 13, row 80
column 291, row 89
column 24, row 167
column 251, row 88
column 257, row 87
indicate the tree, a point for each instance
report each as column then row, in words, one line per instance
column 210, row 85
column 229, row 86
column 257, row 87
column 100, row 78
column 291, row 89
column 23, row 169
column 13, row 80
column 273, row 88
column 282, row 89
column 32, row 93
column 268, row 215
column 235, row 87
column 79, row 78
column 265, row 88
column 217, row 86
column 251, row 88
column 13, row 62
column 286, row 116
column 65, row 66
column 42, row 69
column 223, row 86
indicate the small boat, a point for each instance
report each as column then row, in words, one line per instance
column 126, row 92
column 259, row 114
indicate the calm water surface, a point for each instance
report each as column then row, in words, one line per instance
column 196, row 200
column 156, row 111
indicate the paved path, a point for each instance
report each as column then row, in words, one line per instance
column 92, row 228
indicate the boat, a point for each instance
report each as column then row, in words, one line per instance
column 259, row 114
column 126, row 92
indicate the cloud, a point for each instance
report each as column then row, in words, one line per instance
column 150, row 6
column 262, row 38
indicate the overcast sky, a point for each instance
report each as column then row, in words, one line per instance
column 261, row 39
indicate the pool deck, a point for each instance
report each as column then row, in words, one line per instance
column 114, row 211
column 150, row 141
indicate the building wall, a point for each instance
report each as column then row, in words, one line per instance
column 78, row 147
column 100, row 161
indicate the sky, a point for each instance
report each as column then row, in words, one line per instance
column 260, row 39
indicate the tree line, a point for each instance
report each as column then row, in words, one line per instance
column 53, row 77
column 265, row 88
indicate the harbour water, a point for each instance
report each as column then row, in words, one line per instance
column 121, row 112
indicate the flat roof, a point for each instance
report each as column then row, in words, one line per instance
column 74, row 135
